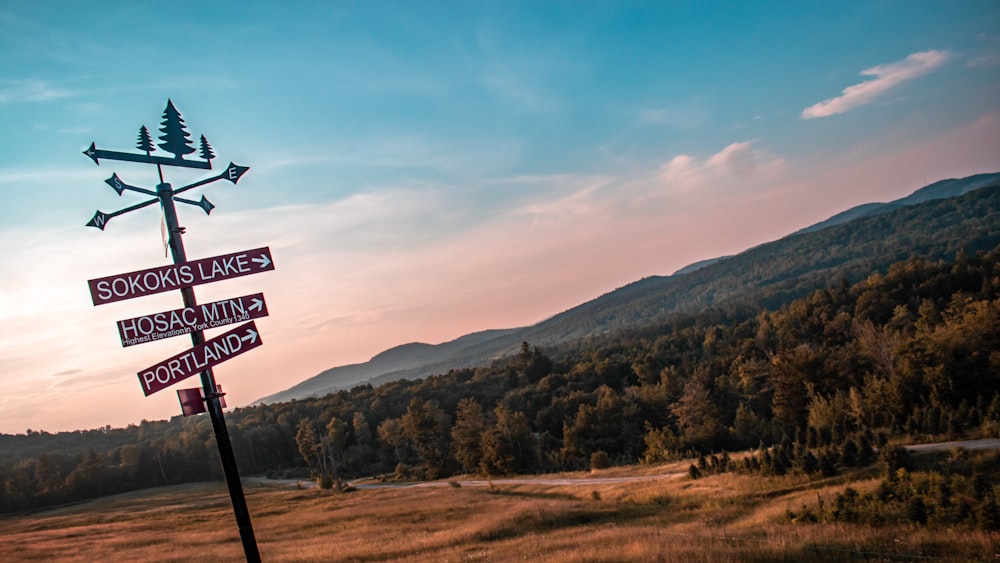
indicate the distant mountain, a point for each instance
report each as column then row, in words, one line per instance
column 938, row 190
column 400, row 360
column 698, row 265
column 936, row 221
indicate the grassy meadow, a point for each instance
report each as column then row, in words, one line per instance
column 666, row 517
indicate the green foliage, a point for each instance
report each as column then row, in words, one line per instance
column 943, row 496
column 466, row 434
column 599, row 460
column 893, row 458
column 508, row 446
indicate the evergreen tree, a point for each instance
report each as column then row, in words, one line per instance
column 466, row 434
column 305, row 440
column 422, row 425
column 205, row 150
column 145, row 142
column 508, row 446
column 175, row 137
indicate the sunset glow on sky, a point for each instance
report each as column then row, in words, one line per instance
column 423, row 170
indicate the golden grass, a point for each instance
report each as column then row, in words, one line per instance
column 719, row 518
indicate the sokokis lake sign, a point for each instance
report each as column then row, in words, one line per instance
column 178, row 276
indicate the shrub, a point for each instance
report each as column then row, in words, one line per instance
column 893, row 458
column 599, row 460
column 694, row 472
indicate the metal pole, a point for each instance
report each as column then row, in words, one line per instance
column 165, row 193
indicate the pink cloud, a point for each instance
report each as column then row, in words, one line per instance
column 886, row 77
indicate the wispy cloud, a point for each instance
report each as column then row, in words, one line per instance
column 736, row 162
column 687, row 116
column 885, row 78
column 31, row 90
column 987, row 55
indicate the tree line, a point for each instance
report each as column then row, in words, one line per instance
column 911, row 353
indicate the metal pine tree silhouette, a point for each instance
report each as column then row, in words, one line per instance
column 175, row 137
column 205, row 150
column 145, row 142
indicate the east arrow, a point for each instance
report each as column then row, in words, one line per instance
column 233, row 173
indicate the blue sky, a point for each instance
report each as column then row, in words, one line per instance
column 422, row 170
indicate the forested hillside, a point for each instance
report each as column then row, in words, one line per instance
column 911, row 354
column 766, row 276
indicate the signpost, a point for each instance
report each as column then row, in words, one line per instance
column 183, row 275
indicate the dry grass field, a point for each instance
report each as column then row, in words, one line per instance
column 668, row 517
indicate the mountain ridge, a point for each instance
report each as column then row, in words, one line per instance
column 767, row 274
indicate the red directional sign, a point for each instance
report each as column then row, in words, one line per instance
column 194, row 360
column 176, row 276
column 157, row 326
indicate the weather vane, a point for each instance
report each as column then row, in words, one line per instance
column 175, row 139
column 183, row 275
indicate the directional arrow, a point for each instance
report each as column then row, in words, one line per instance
column 263, row 260
column 233, row 173
column 251, row 336
column 256, row 304
column 96, row 154
column 116, row 184
column 208, row 206
column 100, row 219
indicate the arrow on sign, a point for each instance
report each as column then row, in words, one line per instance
column 263, row 260
column 256, row 304
column 251, row 336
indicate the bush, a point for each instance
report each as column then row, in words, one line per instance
column 916, row 510
column 694, row 472
column 893, row 458
column 599, row 460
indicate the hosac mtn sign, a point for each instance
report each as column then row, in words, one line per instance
column 149, row 328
